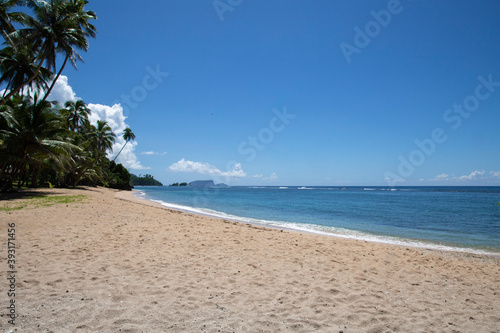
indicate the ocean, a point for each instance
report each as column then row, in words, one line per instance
column 448, row 218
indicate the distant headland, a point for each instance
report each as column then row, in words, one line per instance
column 201, row 183
column 146, row 180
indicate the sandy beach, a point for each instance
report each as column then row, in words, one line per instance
column 109, row 262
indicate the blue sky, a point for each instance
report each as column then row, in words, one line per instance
column 332, row 93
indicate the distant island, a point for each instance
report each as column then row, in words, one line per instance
column 202, row 183
column 146, row 180
column 177, row 184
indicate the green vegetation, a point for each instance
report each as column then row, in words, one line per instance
column 42, row 201
column 146, row 180
column 41, row 142
column 128, row 135
column 119, row 177
column 177, row 184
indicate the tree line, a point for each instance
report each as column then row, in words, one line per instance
column 146, row 180
column 41, row 142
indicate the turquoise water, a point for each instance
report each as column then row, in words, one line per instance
column 457, row 218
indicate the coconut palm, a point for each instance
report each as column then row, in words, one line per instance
column 128, row 135
column 17, row 66
column 58, row 26
column 75, row 113
column 99, row 139
column 7, row 17
column 105, row 136
column 34, row 133
column 80, row 19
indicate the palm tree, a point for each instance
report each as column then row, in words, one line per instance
column 7, row 17
column 17, row 66
column 34, row 133
column 59, row 26
column 128, row 135
column 75, row 113
column 104, row 136
column 76, row 10
column 100, row 138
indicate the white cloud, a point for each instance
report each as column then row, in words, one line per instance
column 62, row 91
column 112, row 114
column 495, row 174
column 153, row 153
column 393, row 181
column 474, row 175
column 116, row 120
column 258, row 176
column 441, row 177
column 206, row 169
column 272, row 177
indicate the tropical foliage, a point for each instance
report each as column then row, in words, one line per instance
column 146, row 180
column 128, row 135
column 42, row 142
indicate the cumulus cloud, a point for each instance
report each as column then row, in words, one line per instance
column 63, row 92
column 474, row 175
column 112, row 114
column 116, row 120
column 440, row 177
column 207, row 169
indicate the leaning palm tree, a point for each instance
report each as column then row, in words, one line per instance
column 17, row 66
column 80, row 18
column 128, row 135
column 58, row 26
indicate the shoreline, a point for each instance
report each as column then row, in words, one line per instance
column 105, row 264
column 379, row 239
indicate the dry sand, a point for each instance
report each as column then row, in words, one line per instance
column 111, row 264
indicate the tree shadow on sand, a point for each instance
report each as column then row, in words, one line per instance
column 40, row 193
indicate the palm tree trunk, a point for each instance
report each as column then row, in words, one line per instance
column 120, row 151
column 7, row 87
column 34, row 181
column 17, row 172
column 82, row 173
column 57, row 77
column 15, row 91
